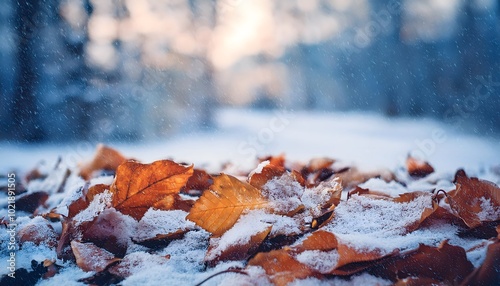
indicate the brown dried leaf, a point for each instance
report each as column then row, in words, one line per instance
column 87, row 196
column 137, row 187
column 319, row 240
column 489, row 272
column 38, row 231
column 218, row 209
column 92, row 258
column 198, row 182
column 268, row 173
column 471, row 196
column 236, row 251
column 105, row 158
column 417, row 168
column 30, row 202
column 353, row 177
column 108, row 231
column 281, row 267
column 446, row 263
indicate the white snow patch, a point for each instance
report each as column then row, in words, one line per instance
column 283, row 193
column 489, row 212
column 104, row 180
column 369, row 224
column 239, row 234
column 321, row 261
column 156, row 222
column 97, row 205
column 393, row 189
column 314, row 198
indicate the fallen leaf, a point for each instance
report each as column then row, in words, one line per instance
column 158, row 228
column 92, row 258
column 105, row 158
column 87, row 196
column 323, row 197
column 281, row 267
column 29, row 202
column 137, row 187
column 319, row 240
column 135, row 263
column 446, row 263
column 197, row 183
column 275, row 160
column 110, row 231
column 268, row 172
column 351, row 177
column 489, row 272
column 218, row 209
column 233, row 248
column 417, row 168
column 474, row 201
column 38, row 231
column 350, row 260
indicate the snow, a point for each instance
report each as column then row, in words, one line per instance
column 240, row 234
column 369, row 224
column 283, row 193
column 313, row 198
column 321, row 261
column 366, row 140
column 95, row 207
column 259, row 168
column 488, row 212
column 393, row 189
column 156, row 222
column 104, row 180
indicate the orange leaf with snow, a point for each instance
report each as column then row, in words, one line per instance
column 475, row 201
column 221, row 206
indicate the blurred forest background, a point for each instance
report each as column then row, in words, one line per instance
column 145, row 69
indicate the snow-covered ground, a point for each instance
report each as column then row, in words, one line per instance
column 367, row 140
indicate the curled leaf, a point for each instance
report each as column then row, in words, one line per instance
column 259, row 178
column 489, row 272
column 475, row 201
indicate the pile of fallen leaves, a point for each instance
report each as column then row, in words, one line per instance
column 284, row 222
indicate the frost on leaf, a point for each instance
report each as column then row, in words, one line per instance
column 38, row 231
column 138, row 186
column 240, row 242
column 157, row 227
column 92, row 258
column 221, row 206
column 475, row 200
